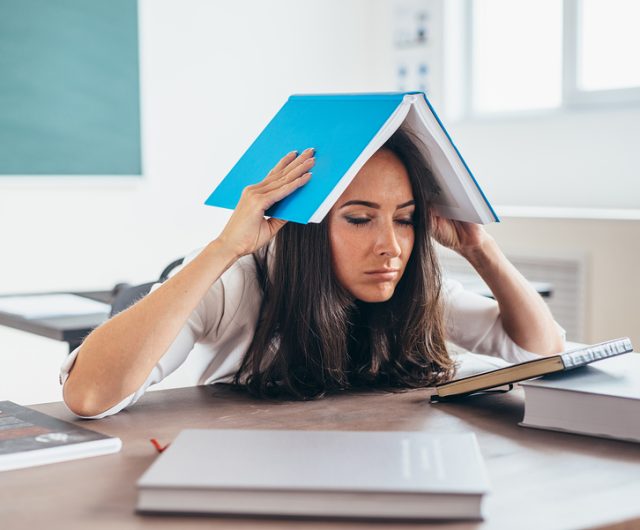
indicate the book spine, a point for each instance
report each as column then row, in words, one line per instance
column 394, row 96
column 604, row 350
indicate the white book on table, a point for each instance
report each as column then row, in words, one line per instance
column 396, row 475
column 602, row 399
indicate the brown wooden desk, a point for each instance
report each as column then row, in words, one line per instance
column 540, row 480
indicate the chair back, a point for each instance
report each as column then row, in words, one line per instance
column 126, row 295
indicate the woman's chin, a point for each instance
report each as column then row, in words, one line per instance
column 375, row 294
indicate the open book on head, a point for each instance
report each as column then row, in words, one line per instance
column 530, row 369
column 346, row 130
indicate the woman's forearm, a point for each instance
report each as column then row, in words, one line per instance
column 525, row 316
column 117, row 357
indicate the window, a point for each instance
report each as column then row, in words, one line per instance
column 516, row 60
column 552, row 53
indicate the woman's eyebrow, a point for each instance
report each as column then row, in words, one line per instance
column 369, row 204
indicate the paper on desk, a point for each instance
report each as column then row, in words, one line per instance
column 468, row 364
column 51, row 305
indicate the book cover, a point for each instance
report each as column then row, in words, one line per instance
column 602, row 399
column 346, row 130
column 30, row 438
column 317, row 473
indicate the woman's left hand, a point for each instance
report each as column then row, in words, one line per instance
column 458, row 235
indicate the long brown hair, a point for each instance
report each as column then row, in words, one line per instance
column 313, row 338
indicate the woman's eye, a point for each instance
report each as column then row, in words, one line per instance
column 357, row 220
column 405, row 222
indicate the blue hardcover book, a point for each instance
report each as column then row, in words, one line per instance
column 346, row 130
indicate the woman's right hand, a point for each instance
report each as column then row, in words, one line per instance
column 247, row 230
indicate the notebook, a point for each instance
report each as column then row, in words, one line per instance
column 392, row 475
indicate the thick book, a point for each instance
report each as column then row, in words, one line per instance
column 602, row 399
column 530, row 369
column 390, row 475
column 346, row 130
column 31, row 438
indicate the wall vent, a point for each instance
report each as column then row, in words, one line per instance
column 566, row 274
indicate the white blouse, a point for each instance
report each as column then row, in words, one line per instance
column 224, row 322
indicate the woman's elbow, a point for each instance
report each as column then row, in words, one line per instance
column 554, row 345
column 81, row 402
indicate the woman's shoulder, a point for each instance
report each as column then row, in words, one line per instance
column 451, row 288
column 233, row 300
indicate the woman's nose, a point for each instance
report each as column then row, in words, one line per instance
column 387, row 242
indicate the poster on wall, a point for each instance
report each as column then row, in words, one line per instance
column 69, row 88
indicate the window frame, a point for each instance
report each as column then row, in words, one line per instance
column 572, row 96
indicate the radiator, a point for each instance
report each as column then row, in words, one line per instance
column 566, row 274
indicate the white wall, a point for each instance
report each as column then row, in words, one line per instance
column 579, row 158
column 611, row 251
column 576, row 158
column 212, row 75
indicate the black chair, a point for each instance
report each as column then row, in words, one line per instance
column 125, row 295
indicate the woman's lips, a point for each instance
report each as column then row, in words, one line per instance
column 383, row 274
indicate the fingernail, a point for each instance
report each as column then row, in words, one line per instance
column 310, row 150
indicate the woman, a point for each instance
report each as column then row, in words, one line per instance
column 355, row 300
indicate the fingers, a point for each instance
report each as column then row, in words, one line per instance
column 279, row 192
column 262, row 197
column 287, row 176
column 288, row 163
column 304, row 156
column 284, row 162
column 290, row 173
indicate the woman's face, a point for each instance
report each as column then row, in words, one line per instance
column 371, row 229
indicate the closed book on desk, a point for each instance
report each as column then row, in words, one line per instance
column 397, row 475
column 530, row 369
column 346, row 130
column 602, row 399
column 30, row 438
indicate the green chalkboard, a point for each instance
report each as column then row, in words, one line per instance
column 69, row 87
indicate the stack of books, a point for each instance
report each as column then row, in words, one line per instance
column 593, row 390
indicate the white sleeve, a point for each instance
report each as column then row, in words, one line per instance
column 169, row 362
column 473, row 322
column 207, row 315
